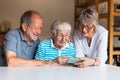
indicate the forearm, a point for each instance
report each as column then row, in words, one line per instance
column 89, row 62
column 17, row 62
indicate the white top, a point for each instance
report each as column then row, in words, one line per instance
column 107, row 72
column 98, row 47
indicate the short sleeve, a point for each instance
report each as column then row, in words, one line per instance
column 10, row 42
column 78, row 45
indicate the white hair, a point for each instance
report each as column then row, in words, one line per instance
column 60, row 25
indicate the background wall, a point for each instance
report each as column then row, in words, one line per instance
column 11, row 10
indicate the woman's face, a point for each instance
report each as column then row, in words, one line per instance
column 87, row 29
column 61, row 38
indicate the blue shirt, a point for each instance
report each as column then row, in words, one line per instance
column 14, row 41
column 47, row 51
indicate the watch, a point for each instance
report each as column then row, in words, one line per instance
column 95, row 62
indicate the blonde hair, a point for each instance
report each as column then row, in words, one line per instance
column 88, row 15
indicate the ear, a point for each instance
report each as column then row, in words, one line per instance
column 70, row 39
column 52, row 35
column 24, row 27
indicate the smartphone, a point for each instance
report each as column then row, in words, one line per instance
column 73, row 60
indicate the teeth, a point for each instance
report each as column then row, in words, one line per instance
column 35, row 34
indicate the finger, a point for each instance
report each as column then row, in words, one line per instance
column 82, row 58
column 78, row 63
column 80, row 66
column 64, row 61
column 60, row 60
column 64, row 57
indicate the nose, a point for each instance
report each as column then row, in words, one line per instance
column 84, row 29
column 38, row 31
column 63, row 38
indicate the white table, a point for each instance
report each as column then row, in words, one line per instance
column 106, row 72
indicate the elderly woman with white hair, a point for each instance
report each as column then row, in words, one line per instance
column 58, row 47
column 90, row 39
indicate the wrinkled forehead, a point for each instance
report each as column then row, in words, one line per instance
column 36, row 17
column 63, row 31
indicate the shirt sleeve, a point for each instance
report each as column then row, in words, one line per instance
column 102, row 47
column 78, row 45
column 10, row 42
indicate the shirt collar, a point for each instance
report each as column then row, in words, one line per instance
column 23, row 39
column 65, row 46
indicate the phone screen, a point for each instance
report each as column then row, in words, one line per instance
column 73, row 60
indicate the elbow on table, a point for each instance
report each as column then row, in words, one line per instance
column 10, row 63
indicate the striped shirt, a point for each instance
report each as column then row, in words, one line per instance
column 47, row 51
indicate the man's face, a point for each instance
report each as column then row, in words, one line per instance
column 61, row 38
column 34, row 30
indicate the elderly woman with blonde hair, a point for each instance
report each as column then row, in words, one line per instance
column 90, row 39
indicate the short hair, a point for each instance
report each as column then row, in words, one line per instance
column 60, row 25
column 88, row 15
column 26, row 17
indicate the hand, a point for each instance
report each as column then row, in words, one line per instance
column 85, row 62
column 62, row 59
column 50, row 63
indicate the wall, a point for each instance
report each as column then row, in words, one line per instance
column 51, row 10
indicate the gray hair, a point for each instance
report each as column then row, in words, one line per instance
column 26, row 17
column 89, row 15
column 60, row 25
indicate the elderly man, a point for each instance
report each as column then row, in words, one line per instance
column 20, row 45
